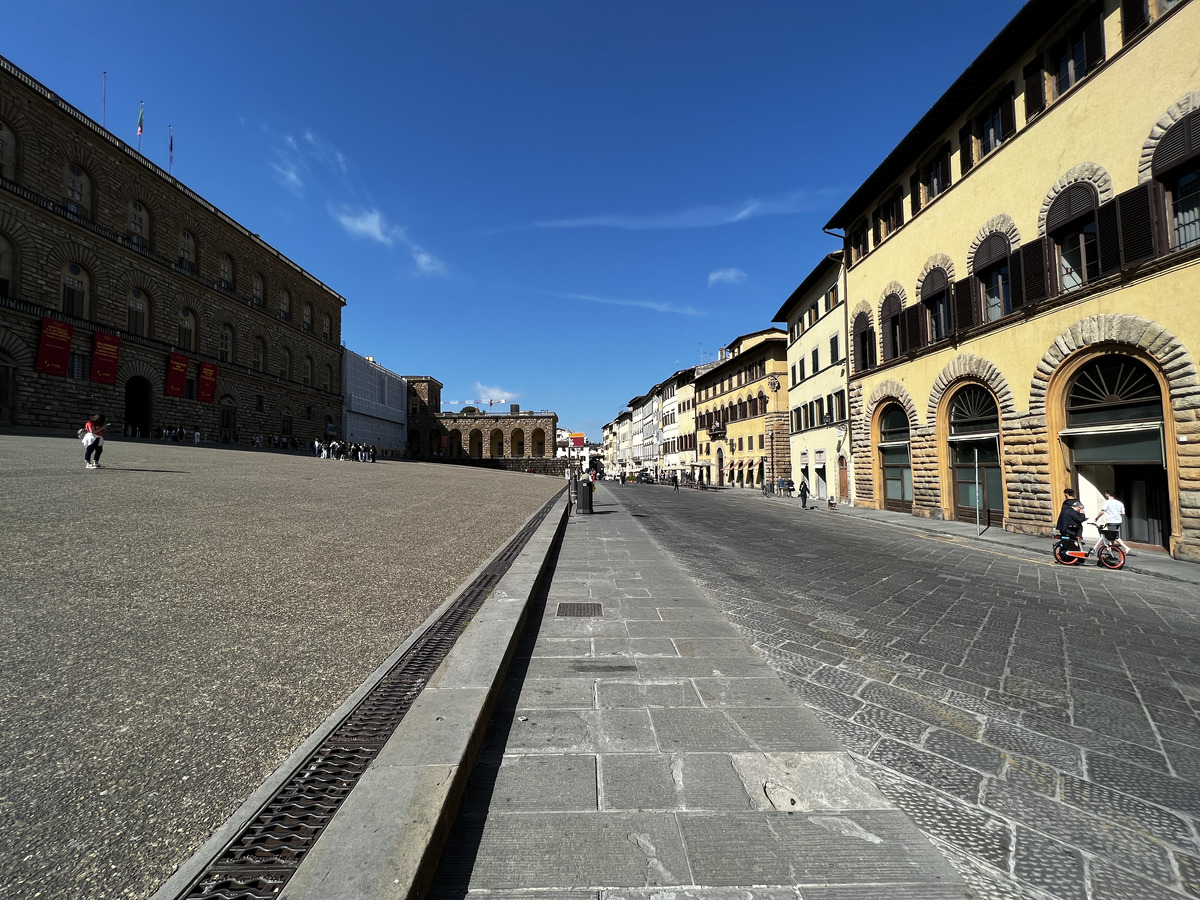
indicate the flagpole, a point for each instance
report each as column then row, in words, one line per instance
column 170, row 148
column 141, row 119
column 104, row 102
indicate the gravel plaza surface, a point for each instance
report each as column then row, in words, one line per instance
column 175, row 624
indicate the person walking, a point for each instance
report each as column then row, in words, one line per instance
column 1112, row 512
column 804, row 495
column 93, row 441
column 675, row 483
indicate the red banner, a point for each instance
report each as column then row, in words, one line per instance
column 106, row 351
column 177, row 368
column 55, row 346
column 206, row 390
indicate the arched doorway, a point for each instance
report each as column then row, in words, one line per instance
column 843, row 480
column 475, row 444
column 894, row 458
column 228, row 419
column 456, row 447
column 720, row 468
column 8, row 389
column 539, row 442
column 977, row 479
column 1113, row 441
column 518, row 443
column 137, row 406
column 414, row 443
column 496, row 444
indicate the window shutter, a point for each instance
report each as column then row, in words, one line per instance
column 1077, row 200
column 1180, row 144
column 1093, row 41
column 859, row 328
column 875, row 226
column 935, row 282
column 1016, row 290
column 1108, row 242
column 912, row 330
column 1033, row 272
column 946, row 165
column 889, row 348
column 991, row 249
column 1134, row 18
column 1035, row 88
column 964, row 305
column 914, row 192
column 898, row 206
column 966, row 148
column 1136, row 221
column 1008, row 120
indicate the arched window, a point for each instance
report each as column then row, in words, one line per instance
column 935, row 297
column 889, row 315
column 138, row 224
column 8, row 268
column 308, row 371
column 8, row 152
column 975, row 454
column 285, row 305
column 77, row 189
column 325, row 332
column 187, row 251
column 76, row 292
column 188, row 327
column 864, row 343
column 326, row 378
column 1071, row 225
column 894, row 458
column 226, row 271
column 259, row 357
column 285, row 363
column 1112, row 390
column 225, row 351
column 257, row 297
column 1176, row 165
column 307, row 323
column 991, row 270
column 138, row 308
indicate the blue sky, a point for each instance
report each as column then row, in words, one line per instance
column 555, row 204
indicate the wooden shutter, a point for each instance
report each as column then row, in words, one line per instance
column 1093, row 40
column 1137, row 213
column 1033, row 273
column 914, row 192
column 991, row 250
column 891, row 309
column 1108, row 241
column 860, row 326
column 964, row 305
column 1134, row 18
column 898, row 207
column 1035, row 88
column 966, row 148
column 912, row 327
column 946, row 166
column 1016, row 290
column 935, row 282
column 1179, row 145
column 1008, row 115
column 1076, row 200
column 875, row 226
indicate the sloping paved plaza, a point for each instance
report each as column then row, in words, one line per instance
column 175, row 624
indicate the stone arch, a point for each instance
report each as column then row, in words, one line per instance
column 16, row 348
column 24, row 248
column 139, row 368
column 28, row 137
column 969, row 366
column 1186, row 105
column 889, row 390
column 537, row 438
column 228, row 387
column 937, row 261
column 1165, row 348
column 893, row 287
column 516, row 440
column 73, row 150
column 864, row 306
column 1002, row 223
column 1092, row 173
column 71, row 252
column 475, row 443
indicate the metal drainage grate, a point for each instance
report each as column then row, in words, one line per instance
column 580, row 610
column 259, row 861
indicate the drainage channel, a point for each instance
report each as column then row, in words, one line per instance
column 258, row 862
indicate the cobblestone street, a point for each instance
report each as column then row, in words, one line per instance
column 1038, row 722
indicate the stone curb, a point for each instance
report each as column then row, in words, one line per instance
column 387, row 838
column 525, row 574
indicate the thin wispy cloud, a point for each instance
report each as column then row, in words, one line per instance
column 708, row 216
column 653, row 305
column 373, row 225
column 498, row 394
column 726, row 276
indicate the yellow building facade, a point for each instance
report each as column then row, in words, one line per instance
column 816, row 396
column 1023, row 282
column 741, row 413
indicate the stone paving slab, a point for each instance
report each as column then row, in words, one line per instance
column 649, row 753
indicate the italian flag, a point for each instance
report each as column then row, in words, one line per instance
column 141, row 118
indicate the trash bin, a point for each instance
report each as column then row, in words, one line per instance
column 585, row 496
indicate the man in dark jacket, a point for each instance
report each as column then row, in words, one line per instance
column 1071, row 519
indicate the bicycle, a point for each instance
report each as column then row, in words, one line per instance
column 1068, row 551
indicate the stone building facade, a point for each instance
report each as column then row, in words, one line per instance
column 124, row 292
column 518, row 440
column 1022, row 282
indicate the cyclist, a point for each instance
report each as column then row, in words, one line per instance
column 1112, row 511
column 1071, row 519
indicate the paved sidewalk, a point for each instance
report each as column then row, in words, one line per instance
column 641, row 744
column 1158, row 564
